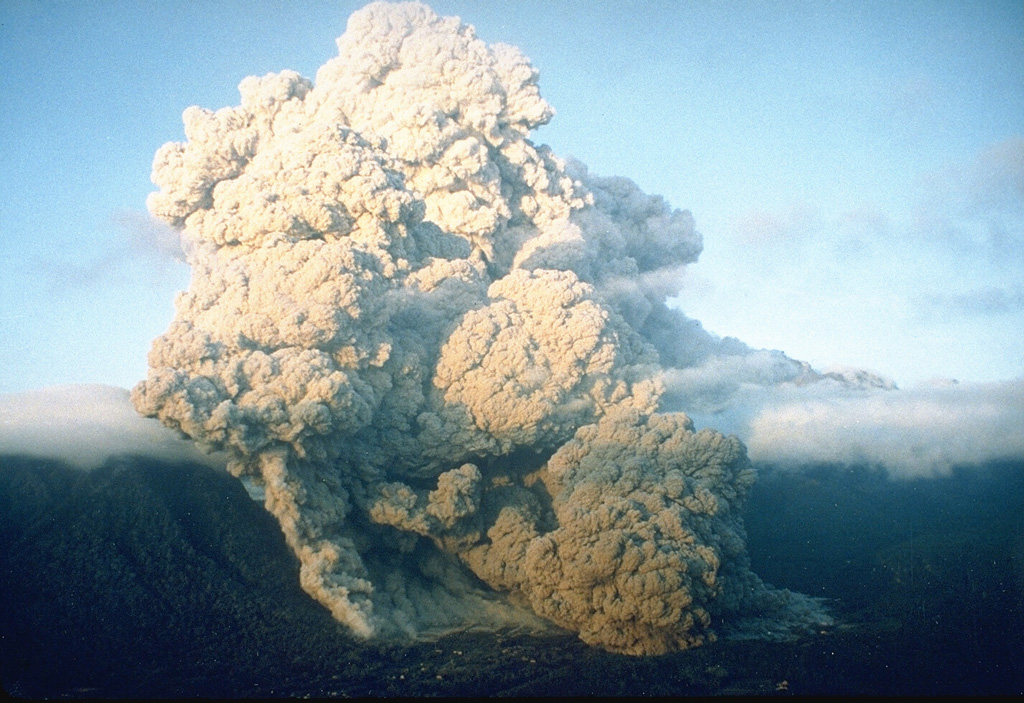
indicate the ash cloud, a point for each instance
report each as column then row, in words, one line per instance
column 440, row 350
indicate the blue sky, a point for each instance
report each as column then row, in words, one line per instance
column 856, row 168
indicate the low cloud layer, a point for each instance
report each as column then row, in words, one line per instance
column 86, row 425
column 922, row 431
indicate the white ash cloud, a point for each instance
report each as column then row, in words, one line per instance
column 440, row 350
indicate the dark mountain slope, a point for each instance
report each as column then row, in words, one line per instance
column 137, row 572
column 149, row 580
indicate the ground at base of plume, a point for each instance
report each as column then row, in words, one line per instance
column 143, row 580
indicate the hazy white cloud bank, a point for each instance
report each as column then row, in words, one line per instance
column 85, row 425
column 921, row 431
column 806, row 419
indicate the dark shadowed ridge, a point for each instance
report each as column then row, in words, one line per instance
column 152, row 580
column 139, row 573
column 934, row 567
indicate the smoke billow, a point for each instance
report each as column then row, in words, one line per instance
column 440, row 351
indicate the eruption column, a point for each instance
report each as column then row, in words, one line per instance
column 439, row 348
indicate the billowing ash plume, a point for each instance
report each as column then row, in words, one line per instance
column 439, row 350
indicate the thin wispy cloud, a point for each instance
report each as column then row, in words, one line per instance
column 137, row 249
